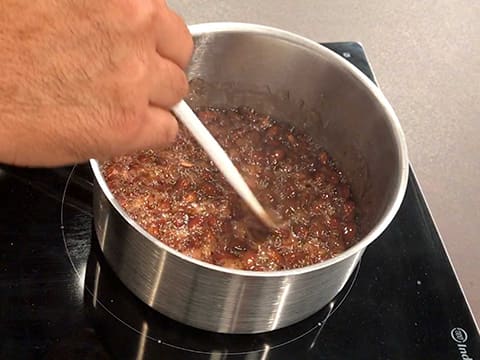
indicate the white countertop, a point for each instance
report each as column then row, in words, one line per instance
column 426, row 57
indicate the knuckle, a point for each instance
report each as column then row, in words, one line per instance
column 129, row 98
column 123, row 125
column 134, row 70
column 140, row 14
column 129, row 84
column 129, row 122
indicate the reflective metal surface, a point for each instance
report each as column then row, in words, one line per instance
column 299, row 82
column 117, row 313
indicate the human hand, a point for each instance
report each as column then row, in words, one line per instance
column 88, row 79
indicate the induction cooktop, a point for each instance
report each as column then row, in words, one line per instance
column 59, row 299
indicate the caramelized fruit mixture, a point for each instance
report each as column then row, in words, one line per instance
column 179, row 196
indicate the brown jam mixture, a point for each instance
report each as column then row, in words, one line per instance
column 179, row 196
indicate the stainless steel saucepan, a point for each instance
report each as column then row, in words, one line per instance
column 299, row 82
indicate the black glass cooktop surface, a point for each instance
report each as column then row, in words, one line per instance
column 59, row 299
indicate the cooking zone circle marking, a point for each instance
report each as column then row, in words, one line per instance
column 331, row 307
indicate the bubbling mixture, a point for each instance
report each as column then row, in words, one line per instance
column 179, row 196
